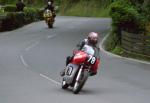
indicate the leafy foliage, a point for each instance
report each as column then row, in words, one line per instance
column 12, row 20
column 31, row 14
column 10, row 8
column 125, row 16
column 1, row 10
column 96, row 8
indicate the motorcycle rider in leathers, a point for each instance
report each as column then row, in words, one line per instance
column 91, row 40
column 50, row 6
column 20, row 6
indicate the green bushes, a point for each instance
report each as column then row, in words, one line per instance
column 1, row 10
column 31, row 14
column 88, row 8
column 10, row 8
column 126, row 17
column 3, row 2
column 111, row 42
column 132, row 16
column 13, row 20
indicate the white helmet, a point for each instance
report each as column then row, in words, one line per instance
column 49, row 3
column 93, row 38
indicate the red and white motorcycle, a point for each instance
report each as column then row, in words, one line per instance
column 77, row 71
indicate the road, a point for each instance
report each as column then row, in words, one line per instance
column 32, row 57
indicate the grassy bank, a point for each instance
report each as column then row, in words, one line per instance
column 111, row 45
column 88, row 8
column 30, row 3
column 93, row 8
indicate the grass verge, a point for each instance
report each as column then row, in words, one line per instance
column 110, row 45
column 85, row 9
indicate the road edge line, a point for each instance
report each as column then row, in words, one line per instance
column 50, row 79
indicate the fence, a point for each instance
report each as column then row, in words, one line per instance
column 136, row 43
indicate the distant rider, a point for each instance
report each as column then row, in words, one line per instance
column 91, row 40
column 20, row 6
column 50, row 6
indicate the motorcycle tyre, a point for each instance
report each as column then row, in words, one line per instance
column 79, row 86
column 64, row 85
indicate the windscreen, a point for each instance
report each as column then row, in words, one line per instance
column 88, row 49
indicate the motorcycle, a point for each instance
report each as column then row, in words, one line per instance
column 49, row 19
column 78, row 70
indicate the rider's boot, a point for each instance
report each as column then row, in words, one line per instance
column 62, row 73
column 68, row 59
column 91, row 73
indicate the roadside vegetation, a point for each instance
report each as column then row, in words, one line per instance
column 88, row 8
column 130, row 34
column 9, row 19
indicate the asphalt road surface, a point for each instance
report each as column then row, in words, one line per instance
column 32, row 57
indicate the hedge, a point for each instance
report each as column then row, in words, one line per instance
column 13, row 20
column 9, row 8
column 126, row 17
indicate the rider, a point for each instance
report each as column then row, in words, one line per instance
column 91, row 40
column 20, row 6
column 50, row 6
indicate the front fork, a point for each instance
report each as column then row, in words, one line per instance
column 79, row 74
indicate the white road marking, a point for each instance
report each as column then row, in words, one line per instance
column 31, row 46
column 111, row 54
column 27, row 66
column 51, row 36
column 23, row 61
column 48, row 78
column 37, row 42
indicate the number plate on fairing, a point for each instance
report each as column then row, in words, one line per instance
column 69, row 70
column 91, row 59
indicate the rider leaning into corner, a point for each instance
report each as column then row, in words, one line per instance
column 50, row 6
column 91, row 40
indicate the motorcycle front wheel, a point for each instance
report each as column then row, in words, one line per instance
column 64, row 84
column 50, row 25
column 78, row 86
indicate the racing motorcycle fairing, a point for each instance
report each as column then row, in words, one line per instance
column 70, row 72
column 79, row 58
column 48, row 16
